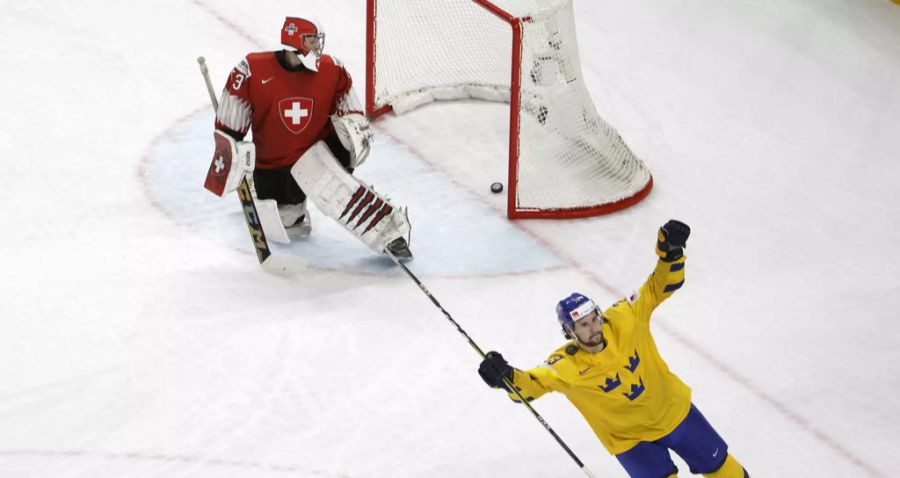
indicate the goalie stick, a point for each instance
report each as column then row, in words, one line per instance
column 251, row 216
column 478, row 349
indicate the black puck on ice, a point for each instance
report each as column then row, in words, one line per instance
column 497, row 187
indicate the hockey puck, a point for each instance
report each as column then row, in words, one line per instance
column 497, row 187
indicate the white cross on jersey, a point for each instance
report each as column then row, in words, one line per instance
column 296, row 113
column 220, row 164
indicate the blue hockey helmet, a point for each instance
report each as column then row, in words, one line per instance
column 573, row 308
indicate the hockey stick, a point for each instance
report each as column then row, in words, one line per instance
column 507, row 382
column 251, row 216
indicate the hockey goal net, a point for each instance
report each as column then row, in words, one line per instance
column 564, row 159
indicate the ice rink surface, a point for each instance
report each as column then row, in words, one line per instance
column 139, row 337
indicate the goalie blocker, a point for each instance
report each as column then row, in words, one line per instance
column 231, row 160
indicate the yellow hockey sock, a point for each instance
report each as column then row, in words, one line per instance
column 730, row 469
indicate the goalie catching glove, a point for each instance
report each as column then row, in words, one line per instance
column 231, row 161
column 355, row 135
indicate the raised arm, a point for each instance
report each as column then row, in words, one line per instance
column 668, row 275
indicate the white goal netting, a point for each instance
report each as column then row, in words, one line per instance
column 564, row 159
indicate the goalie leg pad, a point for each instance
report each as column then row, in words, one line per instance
column 355, row 205
column 267, row 210
column 290, row 213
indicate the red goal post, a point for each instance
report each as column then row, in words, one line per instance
column 564, row 160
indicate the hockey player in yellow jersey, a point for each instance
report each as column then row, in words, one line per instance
column 613, row 374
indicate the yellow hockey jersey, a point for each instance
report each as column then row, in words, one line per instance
column 625, row 392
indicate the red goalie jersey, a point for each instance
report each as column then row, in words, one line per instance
column 288, row 110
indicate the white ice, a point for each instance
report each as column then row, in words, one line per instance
column 139, row 337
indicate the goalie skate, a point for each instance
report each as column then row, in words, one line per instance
column 296, row 220
column 301, row 228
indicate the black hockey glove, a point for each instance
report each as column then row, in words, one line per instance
column 672, row 240
column 494, row 369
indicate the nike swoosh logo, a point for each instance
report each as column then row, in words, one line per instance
column 267, row 80
column 716, row 453
column 582, row 372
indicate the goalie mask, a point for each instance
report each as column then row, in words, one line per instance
column 303, row 36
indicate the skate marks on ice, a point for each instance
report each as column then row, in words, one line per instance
column 25, row 462
column 453, row 233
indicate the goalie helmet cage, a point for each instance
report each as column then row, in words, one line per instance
column 565, row 161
